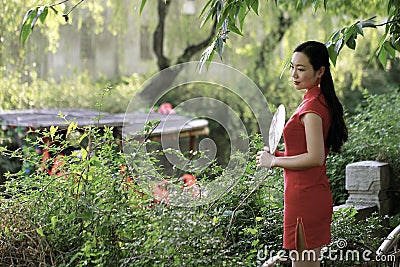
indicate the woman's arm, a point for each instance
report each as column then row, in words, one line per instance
column 315, row 155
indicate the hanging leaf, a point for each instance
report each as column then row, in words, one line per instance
column 254, row 5
column 382, row 57
column 219, row 45
column 325, row 4
column 206, row 56
column 389, row 48
column 27, row 14
column 37, row 16
column 369, row 23
column 338, row 46
column 26, row 24
column 351, row 42
column 233, row 28
column 359, row 28
column 241, row 15
column 205, row 7
column 285, row 65
column 316, row 5
column 43, row 16
column 142, row 4
column 332, row 54
column 207, row 16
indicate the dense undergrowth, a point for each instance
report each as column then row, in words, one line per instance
column 90, row 212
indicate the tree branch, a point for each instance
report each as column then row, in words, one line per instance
column 158, row 35
column 193, row 49
column 387, row 22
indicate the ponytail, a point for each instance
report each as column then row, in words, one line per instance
column 338, row 133
column 318, row 55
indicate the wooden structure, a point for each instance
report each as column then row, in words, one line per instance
column 15, row 124
column 124, row 124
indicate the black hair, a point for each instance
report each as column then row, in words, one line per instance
column 318, row 56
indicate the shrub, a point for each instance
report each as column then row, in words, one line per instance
column 373, row 135
column 89, row 212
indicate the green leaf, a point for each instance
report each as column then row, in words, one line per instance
column 396, row 43
column 241, row 15
column 53, row 131
column 53, row 222
column 234, row 29
column 382, row 57
column 219, row 45
column 332, row 54
column 389, row 48
column 316, row 5
column 338, row 46
column 205, row 8
column 207, row 16
column 44, row 14
column 252, row 231
column 359, row 28
column 26, row 24
column 285, row 65
column 40, row 231
column 369, row 23
column 84, row 153
column 25, row 32
column 336, row 36
column 325, row 4
column 142, row 4
column 255, row 6
column 351, row 43
column 71, row 127
column 38, row 13
column 349, row 32
column 207, row 55
column 27, row 15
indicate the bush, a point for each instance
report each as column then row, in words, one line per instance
column 90, row 213
column 373, row 135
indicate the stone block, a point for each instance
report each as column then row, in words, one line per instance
column 367, row 183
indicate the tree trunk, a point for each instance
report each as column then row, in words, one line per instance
column 167, row 77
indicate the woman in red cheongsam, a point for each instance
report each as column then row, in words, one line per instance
column 315, row 128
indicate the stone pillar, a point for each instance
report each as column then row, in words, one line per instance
column 367, row 183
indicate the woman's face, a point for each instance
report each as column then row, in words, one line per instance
column 302, row 72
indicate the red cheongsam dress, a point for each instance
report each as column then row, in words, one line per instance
column 307, row 194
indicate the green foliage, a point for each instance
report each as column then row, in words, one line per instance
column 230, row 12
column 350, row 234
column 89, row 212
column 373, row 135
column 81, row 92
column 30, row 19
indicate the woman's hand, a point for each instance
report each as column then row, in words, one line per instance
column 265, row 159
